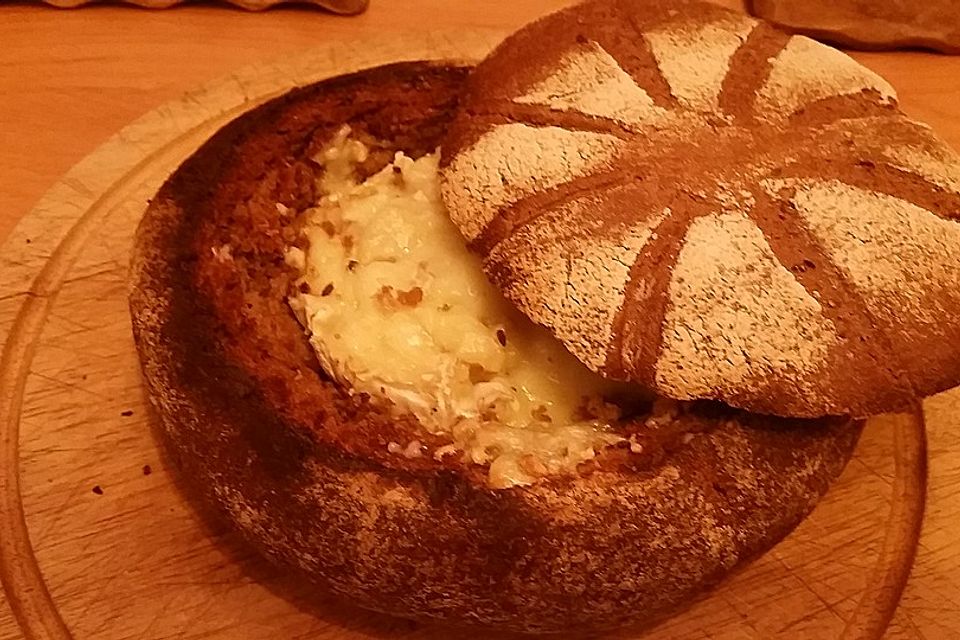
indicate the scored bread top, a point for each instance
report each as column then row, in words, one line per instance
column 694, row 201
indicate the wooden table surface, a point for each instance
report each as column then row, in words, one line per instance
column 69, row 79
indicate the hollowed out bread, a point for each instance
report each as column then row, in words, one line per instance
column 302, row 469
column 697, row 202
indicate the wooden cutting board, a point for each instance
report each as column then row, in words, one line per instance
column 97, row 542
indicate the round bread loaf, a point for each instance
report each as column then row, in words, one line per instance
column 694, row 201
column 301, row 467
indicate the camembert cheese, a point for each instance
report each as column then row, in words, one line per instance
column 397, row 307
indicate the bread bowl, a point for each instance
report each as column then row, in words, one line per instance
column 324, row 480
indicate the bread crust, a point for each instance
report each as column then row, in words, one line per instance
column 301, row 468
column 768, row 229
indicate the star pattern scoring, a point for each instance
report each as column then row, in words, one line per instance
column 695, row 201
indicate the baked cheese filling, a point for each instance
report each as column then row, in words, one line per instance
column 397, row 307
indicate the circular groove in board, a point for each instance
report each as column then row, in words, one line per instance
column 96, row 193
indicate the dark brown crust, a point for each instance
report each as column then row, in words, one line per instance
column 749, row 68
column 647, row 288
column 301, row 468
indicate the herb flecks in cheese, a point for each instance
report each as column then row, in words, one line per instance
column 396, row 307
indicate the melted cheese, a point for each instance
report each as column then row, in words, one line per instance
column 397, row 308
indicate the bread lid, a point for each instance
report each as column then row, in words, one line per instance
column 694, row 201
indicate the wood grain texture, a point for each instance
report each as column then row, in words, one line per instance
column 70, row 79
column 137, row 562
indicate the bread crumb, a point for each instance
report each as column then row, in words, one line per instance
column 444, row 451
